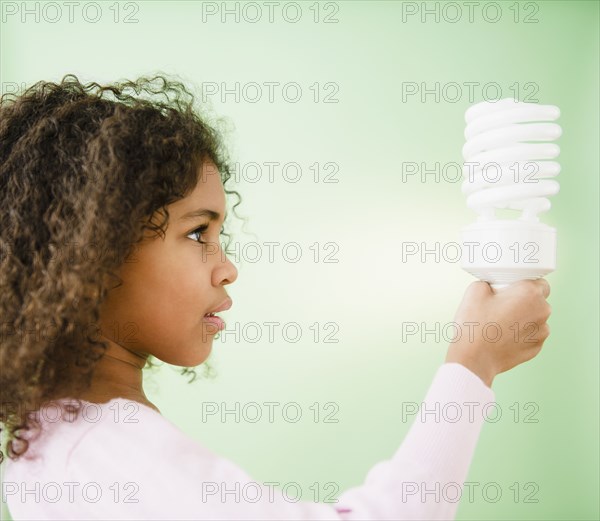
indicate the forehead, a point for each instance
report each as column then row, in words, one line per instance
column 208, row 192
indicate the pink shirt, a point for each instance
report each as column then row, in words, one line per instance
column 106, row 465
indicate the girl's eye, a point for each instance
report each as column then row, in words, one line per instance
column 200, row 230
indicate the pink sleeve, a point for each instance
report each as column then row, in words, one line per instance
column 149, row 471
column 424, row 477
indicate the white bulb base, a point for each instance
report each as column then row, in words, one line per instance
column 501, row 251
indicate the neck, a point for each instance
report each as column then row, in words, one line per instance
column 118, row 374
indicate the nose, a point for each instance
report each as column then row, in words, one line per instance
column 224, row 270
column 229, row 271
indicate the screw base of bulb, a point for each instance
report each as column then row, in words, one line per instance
column 505, row 251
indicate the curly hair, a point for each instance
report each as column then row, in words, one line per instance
column 78, row 168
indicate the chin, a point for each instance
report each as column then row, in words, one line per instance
column 188, row 356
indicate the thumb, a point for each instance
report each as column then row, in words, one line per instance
column 479, row 289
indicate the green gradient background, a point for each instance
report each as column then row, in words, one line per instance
column 369, row 292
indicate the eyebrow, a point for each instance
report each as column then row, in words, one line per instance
column 201, row 212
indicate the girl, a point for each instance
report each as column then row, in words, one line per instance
column 110, row 220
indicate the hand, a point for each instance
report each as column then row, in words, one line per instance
column 507, row 328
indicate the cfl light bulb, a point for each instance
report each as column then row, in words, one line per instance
column 507, row 163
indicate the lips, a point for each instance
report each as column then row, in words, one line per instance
column 224, row 306
column 215, row 321
column 218, row 322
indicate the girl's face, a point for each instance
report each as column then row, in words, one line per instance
column 170, row 284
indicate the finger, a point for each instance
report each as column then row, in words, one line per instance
column 480, row 288
column 531, row 352
column 544, row 287
column 548, row 312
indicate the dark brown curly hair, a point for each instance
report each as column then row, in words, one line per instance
column 82, row 173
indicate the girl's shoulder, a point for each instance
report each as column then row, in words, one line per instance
column 120, row 452
column 118, row 425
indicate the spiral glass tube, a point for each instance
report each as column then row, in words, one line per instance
column 507, row 163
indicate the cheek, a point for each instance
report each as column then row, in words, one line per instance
column 161, row 305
